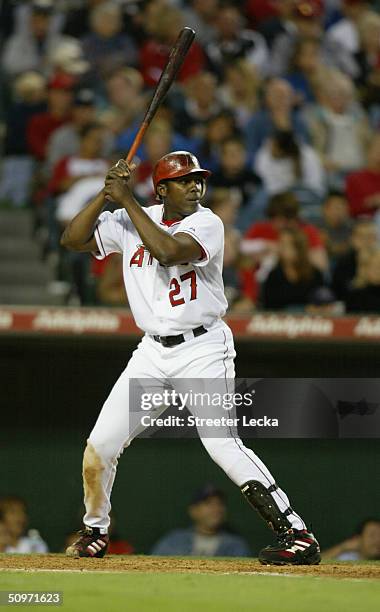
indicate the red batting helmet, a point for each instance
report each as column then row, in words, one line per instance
column 176, row 164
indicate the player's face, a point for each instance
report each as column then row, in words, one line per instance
column 182, row 196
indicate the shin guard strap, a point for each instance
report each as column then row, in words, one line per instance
column 261, row 499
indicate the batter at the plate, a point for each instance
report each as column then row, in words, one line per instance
column 172, row 264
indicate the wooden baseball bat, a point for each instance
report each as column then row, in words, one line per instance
column 176, row 58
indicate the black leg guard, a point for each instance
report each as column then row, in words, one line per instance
column 261, row 499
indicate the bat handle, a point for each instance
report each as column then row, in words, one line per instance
column 137, row 141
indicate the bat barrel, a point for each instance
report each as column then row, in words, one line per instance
column 168, row 75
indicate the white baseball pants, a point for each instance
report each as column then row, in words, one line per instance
column 209, row 356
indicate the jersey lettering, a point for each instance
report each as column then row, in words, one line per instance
column 175, row 288
column 138, row 257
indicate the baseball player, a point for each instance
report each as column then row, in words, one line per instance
column 172, row 267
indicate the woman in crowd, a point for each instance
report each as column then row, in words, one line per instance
column 291, row 284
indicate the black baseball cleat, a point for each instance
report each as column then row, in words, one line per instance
column 91, row 543
column 294, row 547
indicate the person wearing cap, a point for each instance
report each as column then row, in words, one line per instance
column 65, row 141
column 207, row 536
column 29, row 47
column 41, row 126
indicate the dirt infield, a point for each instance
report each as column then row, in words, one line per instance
column 115, row 563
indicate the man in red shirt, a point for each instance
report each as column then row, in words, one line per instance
column 42, row 125
column 363, row 187
column 261, row 241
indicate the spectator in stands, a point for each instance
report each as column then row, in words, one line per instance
column 156, row 145
column 305, row 69
column 278, row 113
column 146, row 18
column 234, row 172
column 207, row 536
column 78, row 17
column 125, row 101
column 364, row 545
column 283, row 164
column 279, row 23
column 179, row 142
column 87, row 162
column 345, row 33
column 68, row 58
column 76, row 179
column 368, row 60
column 304, row 21
column 28, row 48
column 260, row 245
column 109, row 285
column 322, row 301
column 364, row 239
column 368, row 56
column 201, row 16
column 239, row 90
column 218, row 129
column 336, row 225
column 339, row 127
column 291, row 283
column 65, row 141
column 155, row 51
column 29, row 95
column 233, row 42
column 4, row 535
column 106, row 47
column 42, row 125
column 225, row 203
column 363, row 186
column 201, row 103
column 364, row 294
column 259, row 12
column 15, row 516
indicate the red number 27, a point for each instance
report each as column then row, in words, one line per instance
column 175, row 288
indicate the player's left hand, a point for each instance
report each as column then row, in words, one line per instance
column 116, row 187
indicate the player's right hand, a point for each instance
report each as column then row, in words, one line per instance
column 116, row 181
column 121, row 170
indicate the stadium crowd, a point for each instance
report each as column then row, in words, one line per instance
column 280, row 99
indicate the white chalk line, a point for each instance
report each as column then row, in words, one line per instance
column 198, row 572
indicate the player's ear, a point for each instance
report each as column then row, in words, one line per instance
column 162, row 190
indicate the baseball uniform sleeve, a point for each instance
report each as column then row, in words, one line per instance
column 110, row 232
column 208, row 231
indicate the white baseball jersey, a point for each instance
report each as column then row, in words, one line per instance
column 168, row 300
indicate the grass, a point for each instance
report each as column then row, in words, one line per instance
column 133, row 592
